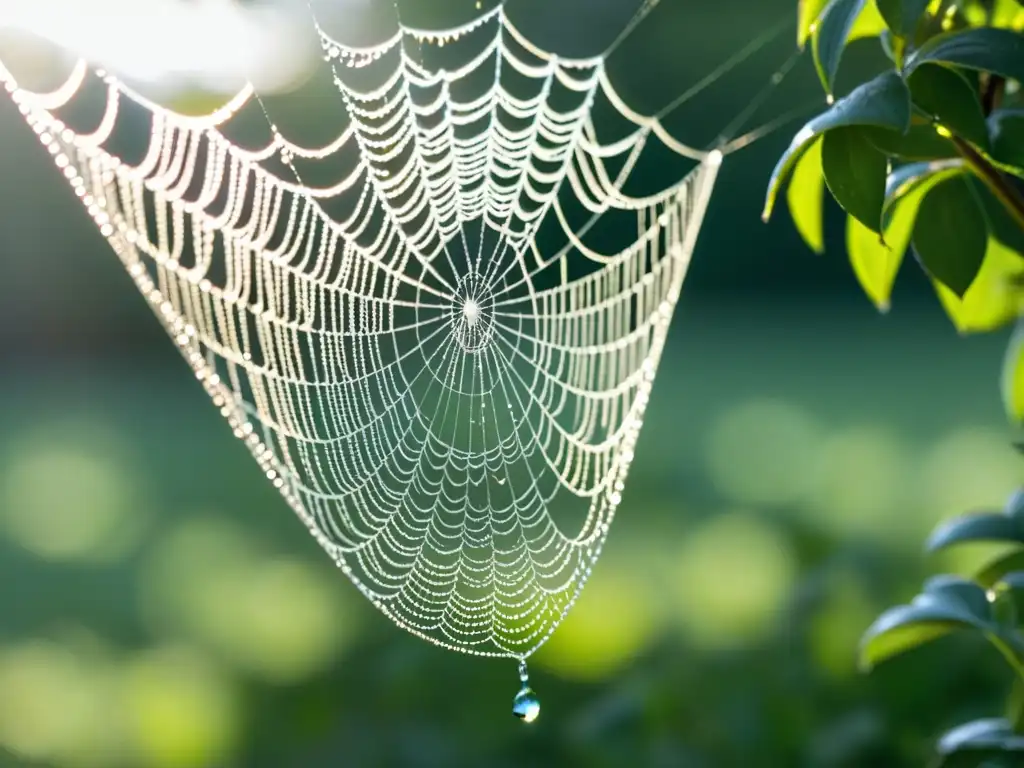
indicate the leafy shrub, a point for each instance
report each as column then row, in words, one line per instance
column 926, row 158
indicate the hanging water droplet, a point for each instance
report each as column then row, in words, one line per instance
column 526, row 705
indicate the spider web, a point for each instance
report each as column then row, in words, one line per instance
column 429, row 358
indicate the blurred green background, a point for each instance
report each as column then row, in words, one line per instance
column 160, row 606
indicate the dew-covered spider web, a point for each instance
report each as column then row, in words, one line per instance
column 442, row 356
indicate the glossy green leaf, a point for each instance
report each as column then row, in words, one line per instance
column 1013, row 376
column 828, row 40
column 806, row 199
column 876, row 262
column 994, row 299
column 1006, row 136
column 996, row 569
column 855, row 172
column 882, row 102
column 901, row 16
column 913, row 178
column 902, row 629
column 950, row 99
column 951, row 233
column 994, row 736
column 945, row 605
column 920, row 142
column 977, row 527
column 1000, row 51
column 869, row 24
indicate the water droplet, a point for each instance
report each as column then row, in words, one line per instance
column 526, row 705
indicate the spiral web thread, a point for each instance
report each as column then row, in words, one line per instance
column 448, row 401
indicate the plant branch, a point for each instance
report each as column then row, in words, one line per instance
column 1008, row 195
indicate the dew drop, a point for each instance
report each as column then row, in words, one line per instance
column 526, row 705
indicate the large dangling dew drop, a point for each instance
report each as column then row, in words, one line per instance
column 526, row 705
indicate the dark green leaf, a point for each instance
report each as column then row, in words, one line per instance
column 1000, row 51
column 806, row 199
column 951, row 234
column 989, row 734
column 915, row 177
column 883, row 102
column 955, row 590
column 899, row 630
column 828, row 40
column 950, row 99
column 946, row 604
column 902, row 16
column 1006, row 134
column 977, row 527
column 920, row 142
column 855, row 172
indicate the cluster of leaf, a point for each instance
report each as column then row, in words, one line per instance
column 927, row 157
column 991, row 604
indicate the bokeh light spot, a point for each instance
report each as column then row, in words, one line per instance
column 764, row 452
column 731, row 578
column 55, row 705
column 863, row 486
column 68, row 494
column 183, row 712
column 612, row 622
column 278, row 618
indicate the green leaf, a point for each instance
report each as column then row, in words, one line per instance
column 951, row 234
column 920, row 142
column 806, row 199
column 869, row 24
column 829, row 38
column 986, row 49
column 901, row 16
column 1013, row 376
column 977, row 527
column 995, row 570
column 808, row 12
column 883, row 102
column 945, row 605
column 1006, row 135
column 994, row 298
column 876, row 262
column 950, row 99
column 990, row 737
column 899, row 630
column 916, row 179
column 855, row 172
